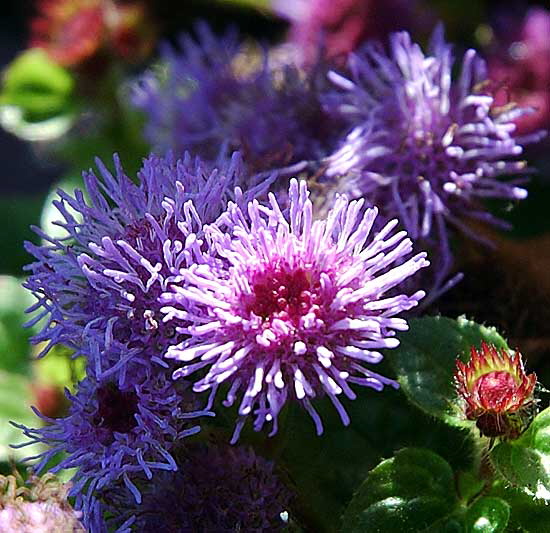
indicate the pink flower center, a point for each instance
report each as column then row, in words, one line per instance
column 495, row 389
column 283, row 292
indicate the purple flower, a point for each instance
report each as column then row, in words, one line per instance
column 115, row 432
column 123, row 241
column 423, row 145
column 216, row 488
column 40, row 506
column 210, row 100
column 293, row 308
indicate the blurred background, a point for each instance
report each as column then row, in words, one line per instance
column 66, row 76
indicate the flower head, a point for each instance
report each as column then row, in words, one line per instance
column 211, row 100
column 293, row 308
column 423, row 145
column 102, row 279
column 216, row 488
column 40, row 505
column 497, row 392
column 116, row 432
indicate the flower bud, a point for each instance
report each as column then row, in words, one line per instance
column 496, row 391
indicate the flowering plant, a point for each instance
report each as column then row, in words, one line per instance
column 267, row 311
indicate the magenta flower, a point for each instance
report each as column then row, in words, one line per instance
column 289, row 309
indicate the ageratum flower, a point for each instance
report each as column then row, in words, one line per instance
column 424, row 145
column 294, row 308
column 115, row 432
column 496, row 391
column 216, row 488
column 123, row 240
column 41, row 505
column 210, row 98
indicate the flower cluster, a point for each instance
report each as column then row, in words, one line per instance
column 424, row 146
column 206, row 275
column 123, row 240
column 209, row 100
column 281, row 307
column 294, row 308
column 216, row 488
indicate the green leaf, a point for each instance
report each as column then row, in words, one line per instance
column 411, row 492
column 527, row 515
column 328, row 469
column 15, row 402
column 17, row 212
column 415, row 491
column 488, row 515
column 525, row 462
column 37, row 86
column 469, row 485
column 14, row 339
column 425, row 361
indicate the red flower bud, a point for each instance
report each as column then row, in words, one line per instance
column 70, row 32
column 74, row 31
column 496, row 391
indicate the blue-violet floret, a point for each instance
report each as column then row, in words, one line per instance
column 115, row 432
column 102, row 280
